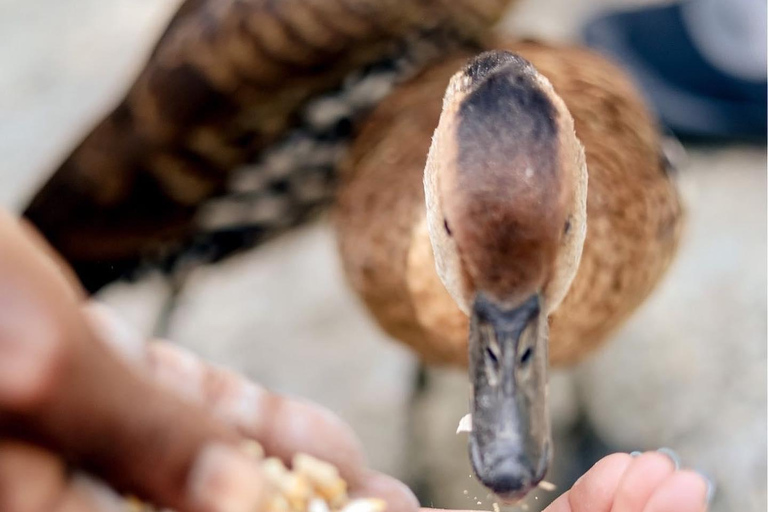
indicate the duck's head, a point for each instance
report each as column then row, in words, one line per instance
column 505, row 187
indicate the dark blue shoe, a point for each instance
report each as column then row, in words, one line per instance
column 692, row 97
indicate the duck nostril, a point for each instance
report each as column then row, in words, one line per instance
column 447, row 228
column 492, row 367
column 491, row 355
column 527, row 355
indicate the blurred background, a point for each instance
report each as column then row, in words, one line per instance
column 687, row 372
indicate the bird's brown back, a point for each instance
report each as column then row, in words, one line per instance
column 226, row 81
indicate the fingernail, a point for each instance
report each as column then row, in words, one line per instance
column 225, row 480
column 113, row 330
column 242, row 403
column 672, row 455
column 177, row 369
column 98, row 494
column 635, row 454
column 711, row 488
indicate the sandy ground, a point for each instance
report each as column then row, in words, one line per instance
column 689, row 371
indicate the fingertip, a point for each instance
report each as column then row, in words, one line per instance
column 672, row 455
column 177, row 370
column 613, row 464
column 40, row 323
column 291, row 425
column 683, row 491
column 32, row 361
column 283, row 425
column 30, row 478
column 52, row 258
column 233, row 398
column 641, row 478
column 223, row 479
column 598, row 485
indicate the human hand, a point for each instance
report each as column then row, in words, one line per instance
column 78, row 390
column 647, row 482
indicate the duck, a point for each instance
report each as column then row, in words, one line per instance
column 506, row 213
column 231, row 133
column 246, row 116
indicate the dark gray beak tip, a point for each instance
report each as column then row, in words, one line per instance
column 509, row 482
column 508, row 476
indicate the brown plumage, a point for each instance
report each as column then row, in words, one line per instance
column 634, row 213
column 227, row 81
column 233, row 132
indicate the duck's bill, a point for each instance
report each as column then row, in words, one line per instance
column 509, row 444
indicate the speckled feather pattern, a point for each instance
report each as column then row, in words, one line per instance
column 227, row 82
column 380, row 214
column 635, row 216
column 634, row 213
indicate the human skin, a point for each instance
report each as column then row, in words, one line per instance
column 88, row 408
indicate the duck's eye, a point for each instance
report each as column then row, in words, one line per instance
column 447, row 227
column 567, row 227
column 527, row 356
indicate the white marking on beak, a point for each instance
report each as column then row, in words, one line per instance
column 493, row 345
column 465, row 424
